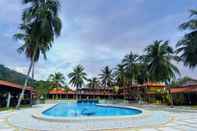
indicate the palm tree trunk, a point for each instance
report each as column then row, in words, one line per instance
column 33, row 70
column 76, row 93
column 27, row 78
column 25, row 85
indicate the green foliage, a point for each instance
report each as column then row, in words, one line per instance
column 159, row 56
column 179, row 82
column 165, row 95
column 130, row 64
column 40, row 24
column 187, row 46
column 93, row 83
column 13, row 76
column 106, row 77
column 57, row 79
column 77, row 77
column 120, row 75
column 143, row 73
column 115, row 89
column 42, row 88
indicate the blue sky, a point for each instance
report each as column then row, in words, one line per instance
column 97, row 33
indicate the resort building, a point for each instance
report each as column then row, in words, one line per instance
column 60, row 93
column 148, row 91
column 84, row 93
column 12, row 91
column 185, row 93
column 101, row 93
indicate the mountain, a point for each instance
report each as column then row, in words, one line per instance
column 12, row 76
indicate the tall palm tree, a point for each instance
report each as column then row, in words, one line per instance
column 77, row 77
column 32, row 51
column 160, row 56
column 40, row 25
column 130, row 65
column 58, row 79
column 120, row 75
column 106, row 77
column 187, row 46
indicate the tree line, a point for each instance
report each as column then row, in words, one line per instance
column 41, row 24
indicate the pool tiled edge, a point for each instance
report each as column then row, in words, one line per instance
column 39, row 115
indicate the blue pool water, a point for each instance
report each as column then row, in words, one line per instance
column 86, row 109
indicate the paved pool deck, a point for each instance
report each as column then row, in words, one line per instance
column 180, row 119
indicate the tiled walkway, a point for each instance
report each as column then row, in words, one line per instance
column 4, row 126
column 182, row 121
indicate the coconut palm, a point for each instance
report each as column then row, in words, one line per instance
column 143, row 72
column 120, row 75
column 106, row 77
column 77, row 77
column 93, row 83
column 159, row 56
column 39, row 27
column 32, row 51
column 130, row 65
column 58, row 79
column 187, row 46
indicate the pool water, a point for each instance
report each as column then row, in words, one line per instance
column 86, row 109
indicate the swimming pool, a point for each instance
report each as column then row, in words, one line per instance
column 86, row 109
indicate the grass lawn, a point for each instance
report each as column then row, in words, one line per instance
column 194, row 106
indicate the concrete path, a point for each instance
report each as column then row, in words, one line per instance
column 4, row 125
column 183, row 120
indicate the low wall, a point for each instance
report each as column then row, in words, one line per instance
column 102, row 101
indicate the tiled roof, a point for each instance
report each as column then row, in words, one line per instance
column 157, row 84
column 4, row 84
column 187, row 89
column 60, row 91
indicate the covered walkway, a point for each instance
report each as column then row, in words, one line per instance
column 14, row 90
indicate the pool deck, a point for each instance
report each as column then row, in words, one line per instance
column 180, row 119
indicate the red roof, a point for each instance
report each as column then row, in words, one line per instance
column 187, row 89
column 12, row 85
column 155, row 85
column 60, row 91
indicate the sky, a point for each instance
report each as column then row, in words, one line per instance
column 97, row 33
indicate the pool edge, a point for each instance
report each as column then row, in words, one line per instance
column 39, row 115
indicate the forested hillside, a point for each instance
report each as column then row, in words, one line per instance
column 12, row 76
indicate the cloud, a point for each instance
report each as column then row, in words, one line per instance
column 96, row 33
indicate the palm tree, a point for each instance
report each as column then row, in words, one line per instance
column 187, row 46
column 159, row 56
column 58, row 79
column 130, row 65
column 106, row 77
column 39, row 27
column 93, row 83
column 77, row 77
column 120, row 75
column 32, row 51
column 143, row 72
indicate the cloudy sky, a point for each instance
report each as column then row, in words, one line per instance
column 97, row 33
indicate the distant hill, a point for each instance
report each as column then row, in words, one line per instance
column 12, row 76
